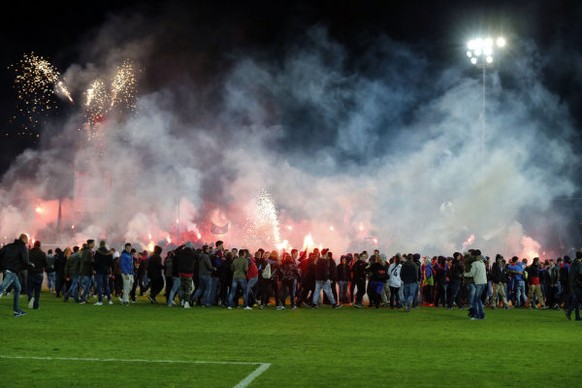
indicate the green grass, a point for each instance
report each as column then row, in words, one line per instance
column 306, row 348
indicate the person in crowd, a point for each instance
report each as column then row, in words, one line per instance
column 59, row 266
column 409, row 275
column 172, row 277
column 322, row 280
column 307, row 270
column 377, row 278
column 456, row 281
column 72, row 272
column 252, row 279
column 36, row 269
column 154, row 271
column 499, row 282
column 127, row 272
column 14, row 257
column 270, row 274
column 239, row 268
column 575, row 287
column 359, row 277
column 395, row 281
column 186, row 263
column 343, row 278
column 442, row 280
column 289, row 277
column 86, row 269
column 205, row 270
column 478, row 274
column 103, row 267
column 50, row 271
column 535, row 295
column 516, row 270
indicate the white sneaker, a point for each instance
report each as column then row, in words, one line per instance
column 248, row 308
column 110, row 301
column 31, row 303
column 186, row 305
column 230, row 308
column 98, row 303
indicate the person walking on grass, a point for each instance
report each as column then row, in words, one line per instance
column 72, row 274
column 322, row 280
column 239, row 267
column 86, row 269
column 103, row 266
column 409, row 274
column 154, row 271
column 575, row 281
column 38, row 264
column 479, row 276
column 126, row 262
column 14, row 257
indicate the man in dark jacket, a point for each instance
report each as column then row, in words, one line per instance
column 14, row 257
column 323, row 280
column 575, row 281
column 38, row 264
column 186, row 262
column 103, row 266
column 409, row 277
column 154, row 271
column 499, row 280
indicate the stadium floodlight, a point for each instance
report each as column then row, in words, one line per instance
column 481, row 53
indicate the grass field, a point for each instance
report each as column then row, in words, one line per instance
column 145, row 345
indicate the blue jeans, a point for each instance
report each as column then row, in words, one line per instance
column 175, row 289
column 326, row 286
column 34, row 286
column 477, row 302
column 520, row 294
column 251, row 283
column 343, row 291
column 51, row 278
column 12, row 278
column 87, row 280
column 102, row 280
column 470, row 294
column 74, row 289
column 236, row 283
column 455, row 286
column 409, row 292
column 203, row 291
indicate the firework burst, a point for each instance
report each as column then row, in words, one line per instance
column 37, row 82
column 124, row 87
column 263, row 226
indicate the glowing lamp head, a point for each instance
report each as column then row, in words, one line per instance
column 500, row 42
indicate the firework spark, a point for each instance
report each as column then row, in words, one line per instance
column 124, row 86
column 96, row 101
column 36, row 82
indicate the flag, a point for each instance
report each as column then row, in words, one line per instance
column 215, row 229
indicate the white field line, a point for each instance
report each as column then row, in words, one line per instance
column 262, row 366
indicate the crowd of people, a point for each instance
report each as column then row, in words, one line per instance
column 212, row 275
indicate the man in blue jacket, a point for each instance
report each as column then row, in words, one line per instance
column 126, row 262
column 14, row 257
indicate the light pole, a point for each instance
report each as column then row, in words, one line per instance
column 481, row 53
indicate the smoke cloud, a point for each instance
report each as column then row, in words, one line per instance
column 379, row 150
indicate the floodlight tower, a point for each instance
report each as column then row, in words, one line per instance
column 481, row 53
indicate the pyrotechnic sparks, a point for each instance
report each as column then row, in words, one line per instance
column 124, row 87
column 36, row 82
column 263, row 225
column 96, row 100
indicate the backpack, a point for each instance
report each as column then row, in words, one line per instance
column 267, row 271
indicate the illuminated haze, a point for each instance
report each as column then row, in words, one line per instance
column 352, row 150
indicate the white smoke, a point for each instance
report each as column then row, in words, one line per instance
column 352, row 150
